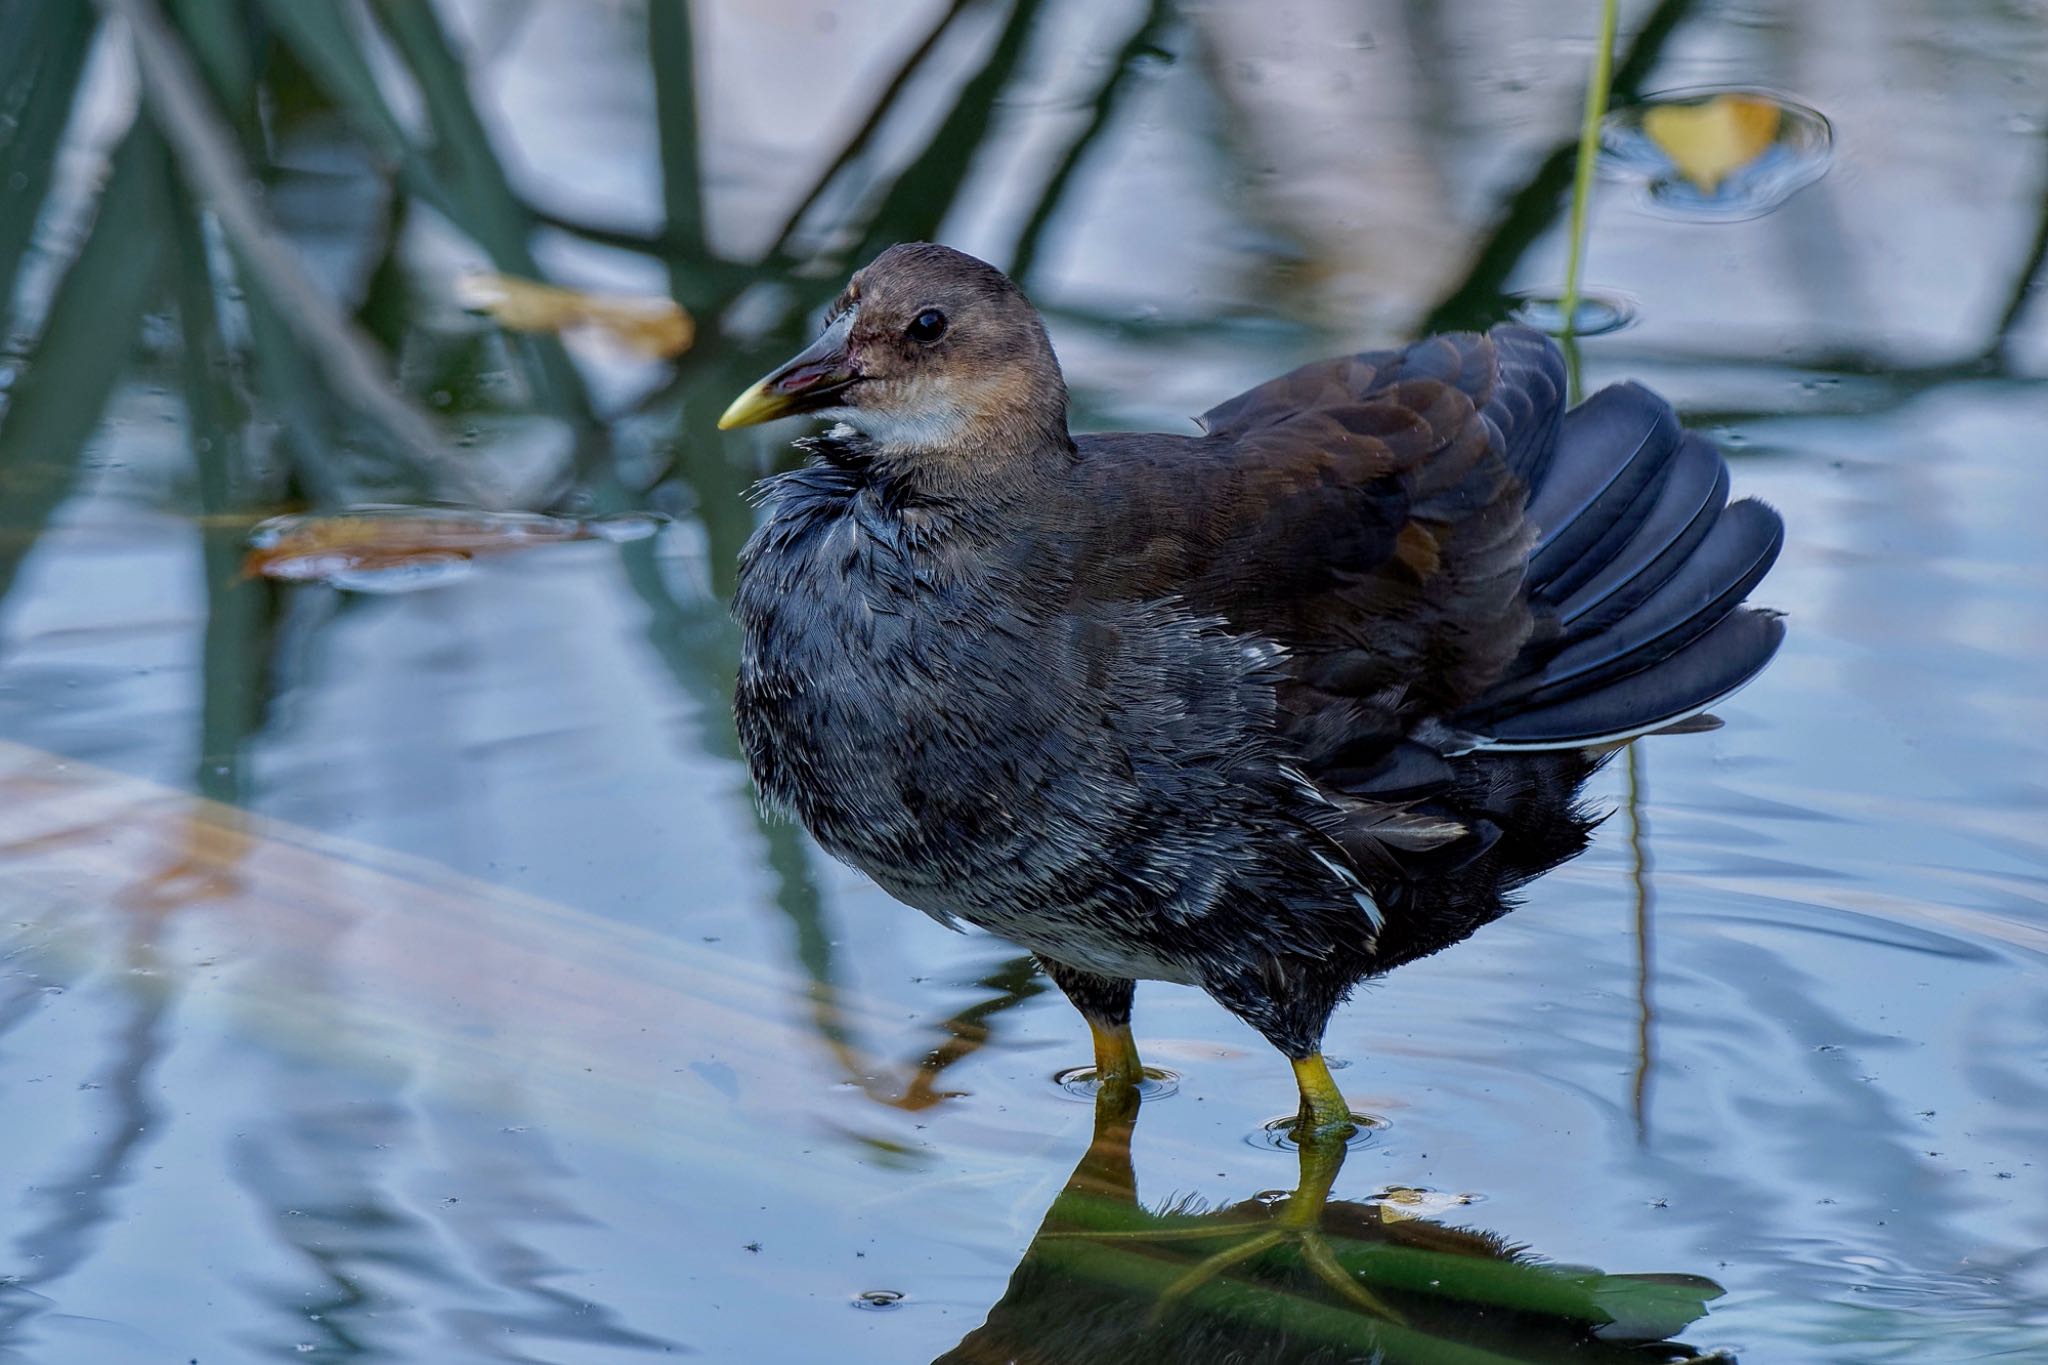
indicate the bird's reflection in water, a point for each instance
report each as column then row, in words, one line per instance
column 1304, row 1277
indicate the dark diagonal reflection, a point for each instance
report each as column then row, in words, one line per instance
column 1304, row 1277
column 72, row 1209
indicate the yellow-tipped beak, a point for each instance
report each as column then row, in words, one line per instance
column 813, row 380
column 758, row 404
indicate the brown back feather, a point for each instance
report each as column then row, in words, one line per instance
column 1365, row 512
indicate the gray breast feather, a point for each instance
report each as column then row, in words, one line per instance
column 1066, row 776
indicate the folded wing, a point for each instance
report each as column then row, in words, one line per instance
column 1449, row 559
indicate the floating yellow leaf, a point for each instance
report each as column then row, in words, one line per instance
column 387, row 549
column 649, row 324
column 1710, row 141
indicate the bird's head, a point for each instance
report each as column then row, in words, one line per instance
column 936, row 357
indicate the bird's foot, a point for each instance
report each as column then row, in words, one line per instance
column 1296, row 1223
column 1308, row 1242
column 1315, row 1254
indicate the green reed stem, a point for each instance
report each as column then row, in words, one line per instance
column 1589, row 152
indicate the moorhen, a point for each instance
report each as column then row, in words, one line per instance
column 1264, row 710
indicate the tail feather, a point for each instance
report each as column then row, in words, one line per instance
column 1685, row 511
column 1615, row 450
column 1712, row 582
column 1715, row 666
column 1638, row 575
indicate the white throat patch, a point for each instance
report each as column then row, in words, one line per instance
column 915, row 428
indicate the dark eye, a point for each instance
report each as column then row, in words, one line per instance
column 927, row 326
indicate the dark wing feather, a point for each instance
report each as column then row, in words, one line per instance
column 1433, row 539
column 1364, row 512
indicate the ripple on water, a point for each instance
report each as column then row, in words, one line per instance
column 1716, row 153
column 1079, row 1083
column 1595, row 313
column 1279, row 1133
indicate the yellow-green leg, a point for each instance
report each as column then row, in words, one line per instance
column 1324, row 1111
column 1105, row 1002
column 1116, row 1057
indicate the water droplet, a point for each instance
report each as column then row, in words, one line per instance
column 1279, row 1133
column 877, row 1300
column 1716, row 153
column 1596, row 314
column 1079, row 1083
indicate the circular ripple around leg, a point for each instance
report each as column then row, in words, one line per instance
column 1597, row 313
column 1278, row 1134
column 1079, row 1083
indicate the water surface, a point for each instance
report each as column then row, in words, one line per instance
column 410, row 977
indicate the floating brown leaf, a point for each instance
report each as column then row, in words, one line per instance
column 386, row 549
